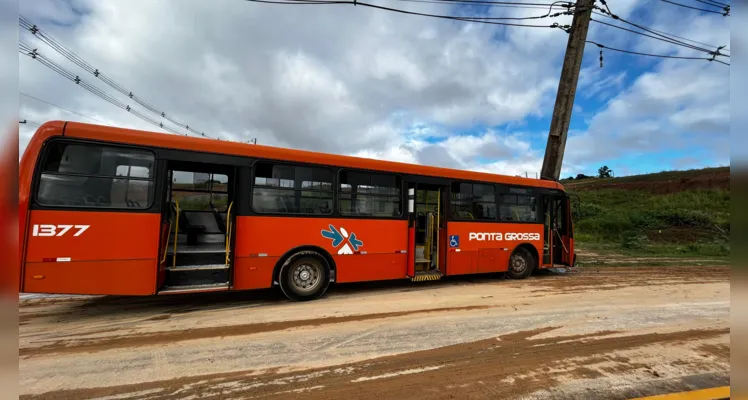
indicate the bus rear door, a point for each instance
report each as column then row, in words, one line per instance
column 427, row 233
column 198, row 229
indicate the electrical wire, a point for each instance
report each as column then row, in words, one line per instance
column 70, row 55
column 34, row 53
column 487, row 3
column 474, row 2
column 601, row 46
column 63, row 108
column 713, row 3
column 513, row 3
column 608, row 13
column 483, row 20
column 687, row 40
column 726, row 13
column 671, row 41
column 567, row 6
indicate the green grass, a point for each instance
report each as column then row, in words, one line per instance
column 637, row 222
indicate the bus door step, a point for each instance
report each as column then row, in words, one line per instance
column 427, row 276
column 214, row 287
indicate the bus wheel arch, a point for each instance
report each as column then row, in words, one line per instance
column 523, row 261
column 304, row 265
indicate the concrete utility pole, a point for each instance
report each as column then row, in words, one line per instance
column 567, row 88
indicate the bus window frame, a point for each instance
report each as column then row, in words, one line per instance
column 501, row 189
column 531, row 192
column 403, row 196
column 292, row 164
column 496, row 192
column 537, row 192
column 154, row 200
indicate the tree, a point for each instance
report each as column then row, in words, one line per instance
column 604, row 172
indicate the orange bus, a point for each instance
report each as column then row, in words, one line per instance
column 111, row 211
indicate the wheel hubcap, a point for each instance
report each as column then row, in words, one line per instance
column 519, row 264
column 306, row 277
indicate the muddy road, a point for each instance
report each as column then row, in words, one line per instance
column 596, row 333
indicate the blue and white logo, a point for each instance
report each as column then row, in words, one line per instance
column 339, row 237
column 454, row 240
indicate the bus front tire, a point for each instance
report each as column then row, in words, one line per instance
column 305, row 278
column 521, row 264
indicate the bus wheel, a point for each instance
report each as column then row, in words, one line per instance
column 304, row 278
column 521, row 264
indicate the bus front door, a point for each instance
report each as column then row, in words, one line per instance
column 558, row 244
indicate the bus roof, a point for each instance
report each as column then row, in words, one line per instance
column 172, row 141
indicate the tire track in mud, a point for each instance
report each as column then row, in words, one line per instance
column 614, row 278
column 167, row 337
column 509, row 365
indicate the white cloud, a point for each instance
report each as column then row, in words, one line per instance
column 679, row 104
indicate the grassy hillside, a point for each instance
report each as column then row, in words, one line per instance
column 669, row 213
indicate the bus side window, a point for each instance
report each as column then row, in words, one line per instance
column 85, row 175
column 292, row 189
column 369, row 194
column 513, row 207
column 473, row 201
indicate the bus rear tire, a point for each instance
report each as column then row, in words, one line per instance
column 305, row 278
column 521, row 264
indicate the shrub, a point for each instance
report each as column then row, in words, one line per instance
column 587, row 210
column 634, row 241
column 682, row 217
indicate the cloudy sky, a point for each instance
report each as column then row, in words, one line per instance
column 372, row 83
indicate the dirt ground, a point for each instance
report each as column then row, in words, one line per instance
column 607, row 257
column 596, row 333
column 715, row 180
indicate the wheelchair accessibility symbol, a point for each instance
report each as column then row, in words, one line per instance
column 454, row 240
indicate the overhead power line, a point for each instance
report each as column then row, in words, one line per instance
column 725, row 13
column 601, row 46
column 70, row 55
column 63, row 108
column 713, row 3
column 512, row 3
column 491, row 4
column 663, row 39
column 33, row 53
column 727, row 49
column 477, row 19
column 661, row 35
column 550, row 6
column 648, row 32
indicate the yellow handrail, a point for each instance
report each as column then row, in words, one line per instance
column 176, row 235
column 228, row 231
column 428, row 250
column 166, row 244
